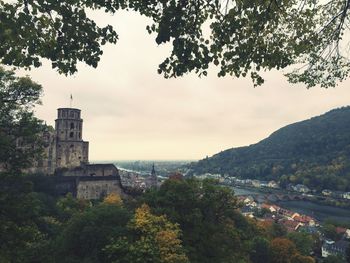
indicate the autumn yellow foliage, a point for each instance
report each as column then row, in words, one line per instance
column 113, row 199
column 163, row 233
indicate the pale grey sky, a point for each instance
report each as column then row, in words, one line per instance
column 131, row 112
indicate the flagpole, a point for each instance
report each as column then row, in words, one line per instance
column 71, row 100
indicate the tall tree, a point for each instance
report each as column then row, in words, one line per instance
column 20, row 142
column 19, row 146
column 87, row 233
column 154, row 239
column 213, row 230
column 260, row 250
column 303, row 242
column 282, row 250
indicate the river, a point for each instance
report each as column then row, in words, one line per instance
column 318, row 211
column 245, row 191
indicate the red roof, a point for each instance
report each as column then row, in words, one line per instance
column 340, row 230
column 290, row 225
column 265, row 206
column 303, row 219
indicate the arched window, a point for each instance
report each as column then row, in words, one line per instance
column 72, row 126
column 71, row 134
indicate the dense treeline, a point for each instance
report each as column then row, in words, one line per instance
column 315, row 152
column 183, row 221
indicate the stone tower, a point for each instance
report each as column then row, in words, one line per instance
column 71, row 150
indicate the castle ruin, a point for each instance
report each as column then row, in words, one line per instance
column 66, row 159
column 71, row 150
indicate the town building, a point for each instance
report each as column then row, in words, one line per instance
column 273, row 184
column 326, row 192
column 347, row 233
column 301, row 188
column 334, row 248
column 346, row 195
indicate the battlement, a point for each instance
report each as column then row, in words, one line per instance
column 68, row 113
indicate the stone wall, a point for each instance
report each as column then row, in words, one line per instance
column 92, row 170
column 65, row 185
column 47, row 163
column 71, row 153
column 98, row 189
column 83, row 187
column 90, row 181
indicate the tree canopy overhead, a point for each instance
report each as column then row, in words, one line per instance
column 245, row 36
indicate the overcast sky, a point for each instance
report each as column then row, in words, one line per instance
column 132, row 113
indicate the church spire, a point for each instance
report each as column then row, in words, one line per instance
column 153, row 173
column 152, row 180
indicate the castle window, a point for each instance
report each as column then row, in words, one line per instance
column 71, row 135
column 72, row 126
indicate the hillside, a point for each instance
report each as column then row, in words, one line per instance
column 315, row 152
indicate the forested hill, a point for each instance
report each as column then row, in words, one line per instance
column 315, row 152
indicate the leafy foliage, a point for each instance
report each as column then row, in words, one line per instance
column 240, row 37
column 282, row 250
column 19, row 129
column 86, row 234
column 314, row 152
column 56, row 30
column 260, row 250
column 154, row 239
column 303, row 242
column 302, row 259
column 113, row 199
column 21, row 214
column 207, row 215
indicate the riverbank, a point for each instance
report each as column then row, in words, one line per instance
column 312, row 205
column 318, row 211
